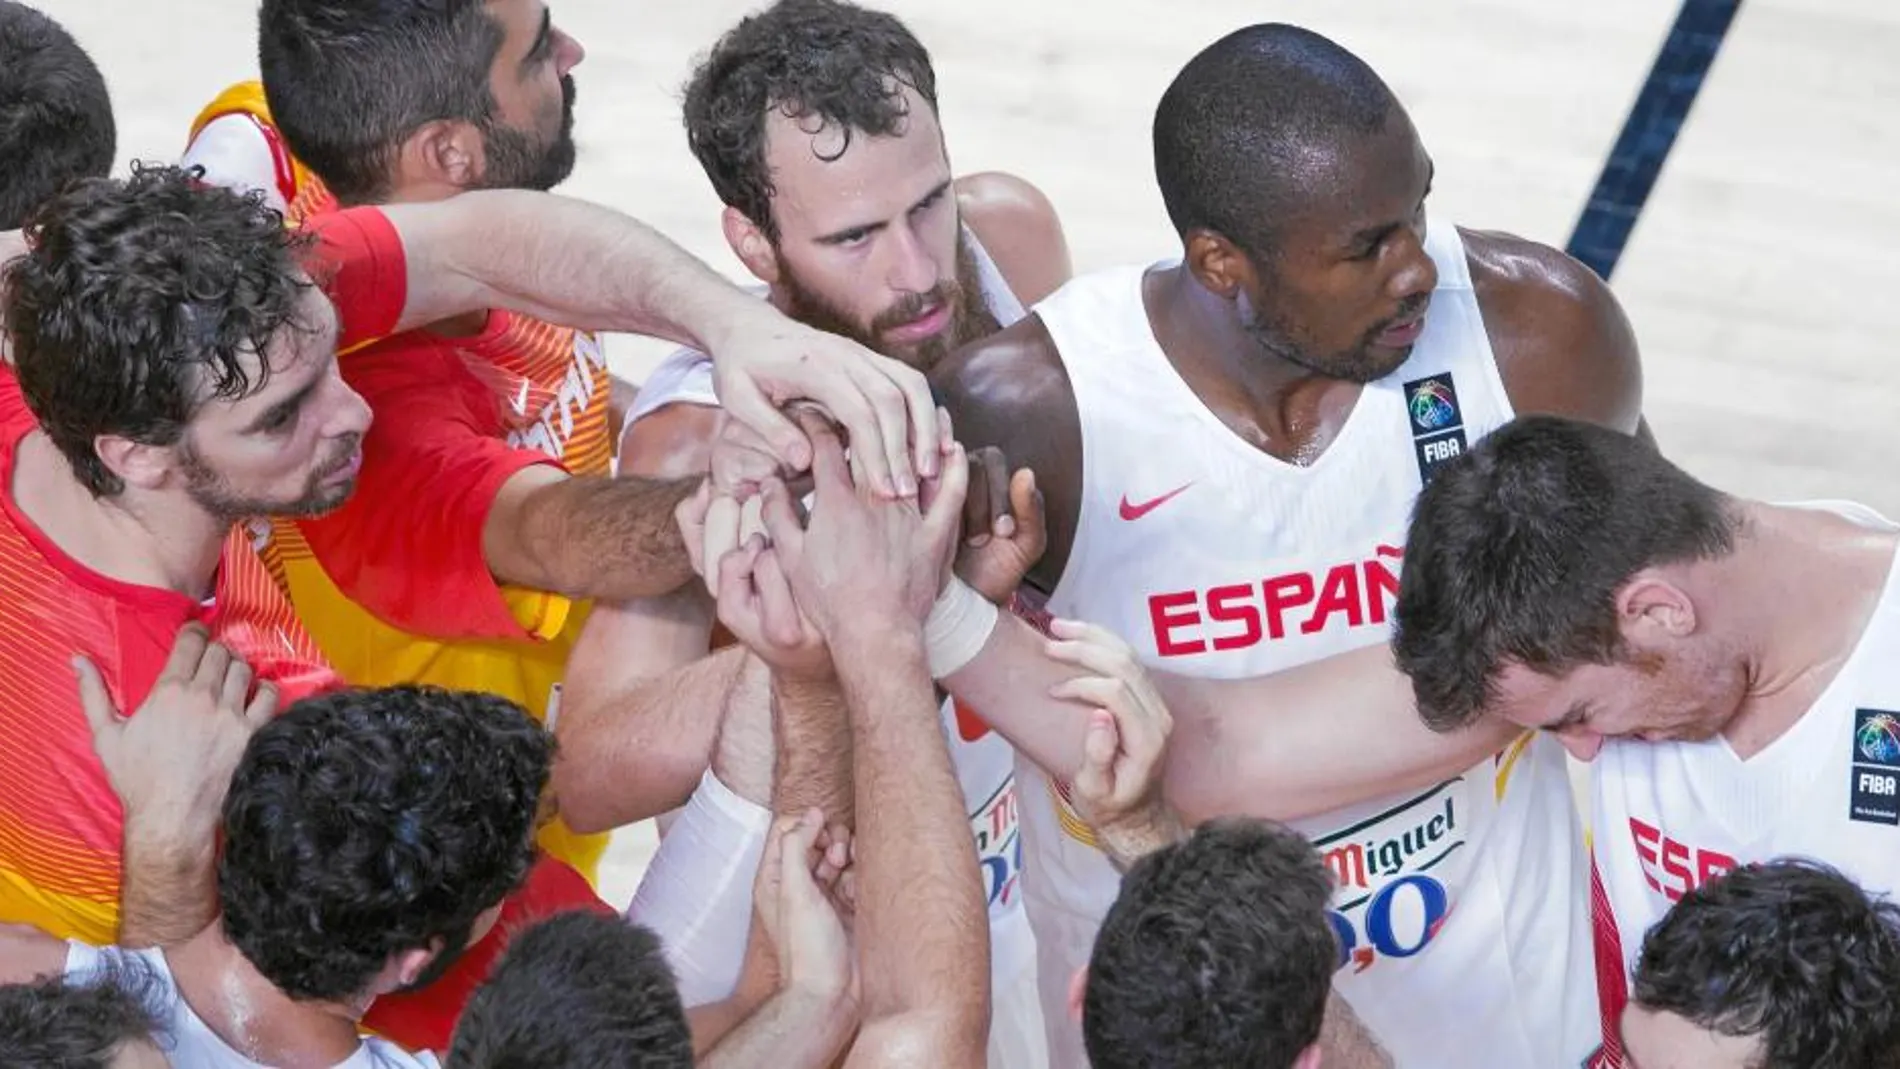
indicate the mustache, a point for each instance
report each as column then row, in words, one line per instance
column 346, row 449
column 913, row 307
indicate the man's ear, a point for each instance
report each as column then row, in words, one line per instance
column 750, row 245
column 137, row 464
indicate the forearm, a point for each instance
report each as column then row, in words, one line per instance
column 1008, row 685
column 606, row 539
column 1309, row 740
column 1345, row 1042
column 640, row 710
column 565, row 261
column 913, row 843
column 793, row 1030
column 169, row 889
column 812, row 749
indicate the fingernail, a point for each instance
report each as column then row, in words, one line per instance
column 979, row 540
column 1005, row 527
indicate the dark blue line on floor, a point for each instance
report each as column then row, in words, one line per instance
column 1650, row 132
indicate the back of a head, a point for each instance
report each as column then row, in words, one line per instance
column 1217, row 952
column 349, row 80
column 1517, row 549
column 81, row 1025
column 824, row 60
column 139, row 300
column 363, row 824
column 1243, row 134
column 580, row 991
column 1791, row 952
column 55, row 115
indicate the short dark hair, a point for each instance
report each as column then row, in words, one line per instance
column 1236, row 131
column 1218, row 952
column 55, row 114
column 141, row 299
column 1791, row 952
column 842, row 64
column 73, row 1023
column 348, row 81
column 1518, row 548
column 578, row 991
column 364, row 823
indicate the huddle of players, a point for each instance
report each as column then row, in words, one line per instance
column 1558, row 577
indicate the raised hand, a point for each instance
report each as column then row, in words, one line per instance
column 1117, row 790
column 1004, row 533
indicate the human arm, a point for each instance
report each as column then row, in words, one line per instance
column 28, row 954
column 569, row 262
column 864, row 574
column 611, row 539
column 170, row 763
column 1562, row 343
column 1019, row 229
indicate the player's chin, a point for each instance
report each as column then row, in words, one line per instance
column 321, row 500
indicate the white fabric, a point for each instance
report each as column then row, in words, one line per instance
column 1670, row 816
column 1215, row 559
column 697, row 893
column 191, row 1043
column 958, row 626
column 235, row 155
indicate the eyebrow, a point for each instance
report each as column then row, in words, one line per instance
column 302, row 395
column 839, row 237
column 1378, row 232
column 541, row 39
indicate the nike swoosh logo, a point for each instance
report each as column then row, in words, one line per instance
column 519, row 402
column 1133, row 512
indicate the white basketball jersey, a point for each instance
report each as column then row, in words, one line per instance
column 1459, row 908
column 1671, row 816
column 983, row 760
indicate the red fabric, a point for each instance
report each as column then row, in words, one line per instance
column 407, row 546
column 1612, row 986
column 359, row 261
column 425, row 1019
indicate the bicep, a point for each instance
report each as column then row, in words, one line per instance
column 1564, row 345
column 917, row 1040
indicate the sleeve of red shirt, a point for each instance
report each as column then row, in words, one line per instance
column 359, row 260
column 407, row 545
column 425, row 1019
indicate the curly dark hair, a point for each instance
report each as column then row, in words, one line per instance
column 69, row 1023
column 141, row 300
column 1790, row 951
column 349, row 81
column 1518, row 548
column 840, row 63
column 577, row 991
column 364, row 823
column 55, row 114
column 1217, row 952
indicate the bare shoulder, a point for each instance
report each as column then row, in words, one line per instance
column 670, row 442
column 1012, row 374
column 1019, row 228
column 1563, row 345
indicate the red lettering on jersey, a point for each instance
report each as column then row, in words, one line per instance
column 1230, row 604
column 1350, row 594
column 970, row 727
column 1672, row 866
column 1167, row 621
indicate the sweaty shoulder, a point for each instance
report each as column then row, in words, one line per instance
column 1563, row 344
column 1019, row 229
column 1010, row 391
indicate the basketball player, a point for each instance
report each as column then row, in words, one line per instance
column 1771, row 966
column 348, row 867
column 1316, row 355
column 484, row 521
column 841, row 199
column 1722, row 662
column 128, row 457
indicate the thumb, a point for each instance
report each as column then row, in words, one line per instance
column 94, row 698
column 1095, row 777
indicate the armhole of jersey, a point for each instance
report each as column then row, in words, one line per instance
column 1612, row 986
column 1079, row 545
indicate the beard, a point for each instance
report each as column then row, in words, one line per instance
column 212, row 492
column 516, row 159
column 1361, row 364
column 970, row 317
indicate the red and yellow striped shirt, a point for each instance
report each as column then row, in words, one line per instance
column 394, row 586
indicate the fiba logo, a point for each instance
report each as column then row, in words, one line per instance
column 1433, row 405
column 1878, row 739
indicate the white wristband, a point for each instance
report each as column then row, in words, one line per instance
column 957, row 627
